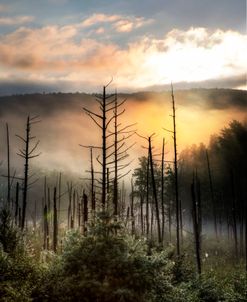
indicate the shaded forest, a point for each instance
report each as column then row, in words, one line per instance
column 167, row 225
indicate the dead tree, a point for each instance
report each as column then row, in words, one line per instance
column 132, row 209
column 174, row 133
column 212, row 194
column 85, row 213
column 46, row 229
column 74, row 208
column 59, row 195
column 92, row 179
column 120, row 150
column 8, row 164
column 69, row 216
column 196, row 216
column 102, row 121
column 108, row 106
column 151, row 164
column 154, row 190
column 55, row 222
column 176, row 172
column 147, row 197
column 162, row 189
column 27, row 153
column 16, row 202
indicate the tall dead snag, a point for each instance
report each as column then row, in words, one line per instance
column 174, row 132
column 55, row 223
column 16, row 202
column 176, row 171
column 74, row 208
column 196, row 216
column 102, row 122
column 212, row 194
column 8, row 164
column 93, row 205
column 69, row 216
column 27, row 153
column 59, row 195
column 112, row 152
column 154, row 190
column 151, row 165
column 85, row 213
column 162, row 189
column 46, row 229
column 132, row 209
column 92, row 179
column 147, row 197
column 120, row 150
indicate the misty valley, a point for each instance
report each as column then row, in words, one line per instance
column 116, row 196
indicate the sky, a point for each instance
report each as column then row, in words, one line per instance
column 79, row 45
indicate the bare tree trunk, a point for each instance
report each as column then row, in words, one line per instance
column 59, row 196
column 25, row 185
column 141, row 205
column 170, row 221
column 49, row 207
column 16, row 202
column 27, row 153
column 35, row 215
column 55, row 223
column 85, row 213
column 79, row 215
column 104, row 148
column 162, row 189
column 19, row 217
column 176, row 173
column 74, row 208
column 115, row 192
column 93, row 205
column 69, row 206
column 8, row 164
column 147, row 197
column 155, row 192
column 196, row 224
column 132, row 209
column 212, row 195
column 45, row 228
column 181, row 221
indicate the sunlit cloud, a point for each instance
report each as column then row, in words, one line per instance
column 118, row 22
column 127, row 25
column 17, row 20
column 54, row 54
column 99, row 18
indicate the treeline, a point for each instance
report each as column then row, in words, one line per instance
column 221, row 167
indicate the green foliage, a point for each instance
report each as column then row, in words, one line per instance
column 9, row 237
column 19, row 275
column 108, row 266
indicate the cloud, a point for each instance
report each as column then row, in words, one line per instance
column 99, row 18
column 54, row 54
column 127, row 25
column 17, row 20
column 117, row 22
